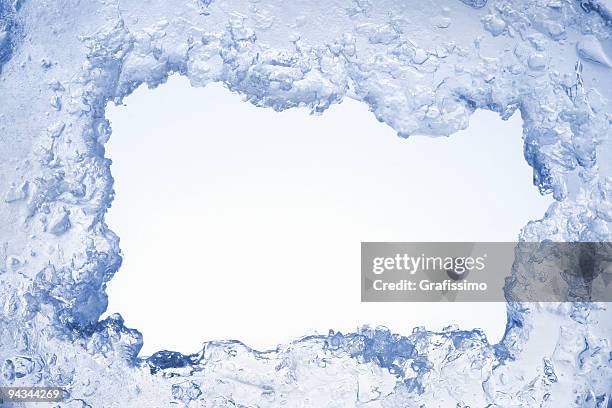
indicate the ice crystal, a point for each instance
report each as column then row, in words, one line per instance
column 421, row 67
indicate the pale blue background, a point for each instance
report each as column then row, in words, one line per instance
column 258, row 215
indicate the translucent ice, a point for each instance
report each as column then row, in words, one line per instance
column 420, row 67
column 590, row 49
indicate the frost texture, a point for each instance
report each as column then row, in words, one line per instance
column 421, row 67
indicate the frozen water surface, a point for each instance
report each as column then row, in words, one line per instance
column 420, row 67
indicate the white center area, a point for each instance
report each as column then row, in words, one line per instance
column 238, row 222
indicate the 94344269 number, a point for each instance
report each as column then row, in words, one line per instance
column 31, row 394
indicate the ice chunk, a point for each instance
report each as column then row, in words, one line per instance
column 589, row 48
